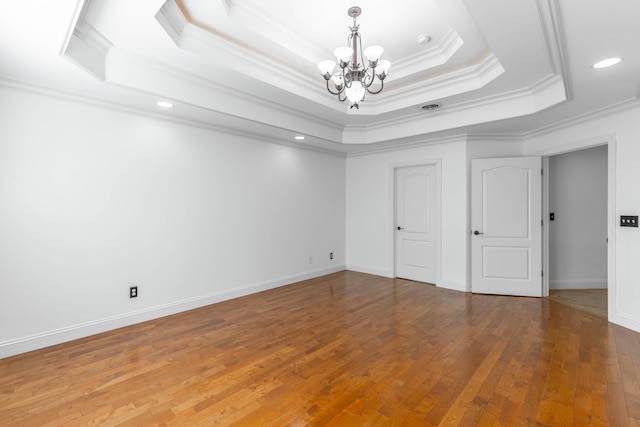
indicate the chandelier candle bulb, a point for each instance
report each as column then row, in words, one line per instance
column 382, row 68
column 355, row 93
column 373, row 53
column 354, row 79
column 337, row 80
column 326, row 67
column 343, row 54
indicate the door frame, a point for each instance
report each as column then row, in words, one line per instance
column 391, row 236
column 610, row 141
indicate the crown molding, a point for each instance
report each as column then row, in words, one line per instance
column 149, row 67
column 273, row 29
column 370, row 150
column 433, row 57
column 603, row 112
column 172, row 20
column 493, row 137
column 549, row 15
column 362, row 150
column 540, row 95
column 630, row 104
column 246, row 59
column 123, row 108
column 78, row 15
column 88, row 49
column 455, row 83
column 250, row 61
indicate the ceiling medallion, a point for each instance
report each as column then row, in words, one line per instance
column 354, row 79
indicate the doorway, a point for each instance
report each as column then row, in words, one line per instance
column 577, row 228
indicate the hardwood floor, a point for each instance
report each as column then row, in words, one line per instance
column 592, row 300
column 347, row 349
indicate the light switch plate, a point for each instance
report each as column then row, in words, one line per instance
column 628, row 220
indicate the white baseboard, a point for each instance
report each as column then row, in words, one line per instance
column 626, row 321
column 577, row 284
column 58, row 336
column 454, row 286
column 369, row 270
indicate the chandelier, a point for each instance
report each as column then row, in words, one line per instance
column 353, row 80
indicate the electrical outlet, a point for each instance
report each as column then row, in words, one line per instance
column 133, row 292
column 330, row 255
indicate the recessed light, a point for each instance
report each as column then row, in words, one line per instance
column 606, row 63
column 164, row 104
column 299, row 137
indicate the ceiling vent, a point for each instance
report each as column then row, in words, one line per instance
column 431, row 107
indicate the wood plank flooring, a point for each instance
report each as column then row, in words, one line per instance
column 347, row 349
column 592, row 300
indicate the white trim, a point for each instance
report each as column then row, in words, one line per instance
column 455, row 286
column 78, row 15
column 99, row 103
column 545, row 226
column 442, row 86
column 437, row 55
column 577, row 284
column 614, row 314
column 369, row 270
column 178, row 75
column 583, row 118
column 61, row 335
column 407, row 146
column 629, row 322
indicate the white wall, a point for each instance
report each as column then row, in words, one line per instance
column 370, row 205
column 621, row 130
column 578, row 235
column 93, row 200
column 370, row 210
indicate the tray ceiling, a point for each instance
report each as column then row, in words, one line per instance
column 252, row 65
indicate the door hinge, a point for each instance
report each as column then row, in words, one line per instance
column 542, row 274
column 542, row 222
column 541, row 171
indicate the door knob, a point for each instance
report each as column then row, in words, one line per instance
column 477, row 232
column 400, row 228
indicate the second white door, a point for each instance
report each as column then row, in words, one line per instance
column 506, row 221
column 416, row 223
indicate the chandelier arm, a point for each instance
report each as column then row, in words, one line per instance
column 378, row 91
column 339, row 91
column 371, row 80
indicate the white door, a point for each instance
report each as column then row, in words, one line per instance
column 416, row 223
column 506, row 226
